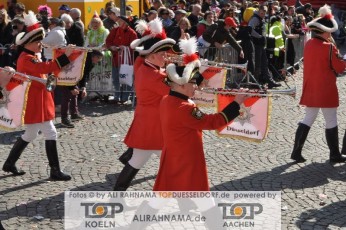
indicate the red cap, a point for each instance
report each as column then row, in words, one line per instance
column 229, row 21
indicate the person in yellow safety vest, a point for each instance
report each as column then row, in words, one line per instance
column 276, row 31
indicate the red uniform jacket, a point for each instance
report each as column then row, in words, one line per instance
column 40, row 104
column 145, row 131
column 319, row 82
column 182, row 163
column 120, row 36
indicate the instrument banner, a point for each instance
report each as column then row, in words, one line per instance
column 214, row 77
column 13, row 98
column 253, row 122
column 72, row 73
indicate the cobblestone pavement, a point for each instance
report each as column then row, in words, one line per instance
column 89, row 153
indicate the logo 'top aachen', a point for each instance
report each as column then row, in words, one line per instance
column 240, row 214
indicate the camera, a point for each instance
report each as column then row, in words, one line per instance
column 14, row 27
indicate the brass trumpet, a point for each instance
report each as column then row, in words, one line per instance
column 174, row 58
column 50, row 82
column 206, row 62
column 73, row 47
column 251, row 92
column 261, row 92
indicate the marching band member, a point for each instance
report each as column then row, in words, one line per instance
column 182, row 124
column 182, row 155
column 39, row 113
column 144, row 135
column 126, row 156
column 321, row 65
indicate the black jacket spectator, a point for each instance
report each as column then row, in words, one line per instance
column 6, row 33
column 193, row 20
column 6, row 39
column 75, row 35
column 171, row 28
column 217, row 33
column 244, row 35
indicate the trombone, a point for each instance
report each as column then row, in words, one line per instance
column 50, row 82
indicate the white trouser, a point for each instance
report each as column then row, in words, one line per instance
column 329, row 115
column 140, row 157
column 47, row 128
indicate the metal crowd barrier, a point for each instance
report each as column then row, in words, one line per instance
column 226, row 54
column 298, row 45
column 101, row 82
column 100, row 79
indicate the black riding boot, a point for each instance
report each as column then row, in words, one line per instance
column 332, row 138
column 125, row 178
column 301, row 134
column 126, row 156
column 16, row 151
column 343, row 150
column 52, row 155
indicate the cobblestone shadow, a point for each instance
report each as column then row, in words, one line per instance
column 307, row 176
column 51, row 207
column 295, row 186
column 332, row 214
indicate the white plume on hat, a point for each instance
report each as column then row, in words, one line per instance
column 191, row 61
column 155, row 26
column 147, row 30
column 189, row 46
column 30, row 19
column 324, row 10
column 153, row 29
column 142, row 26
